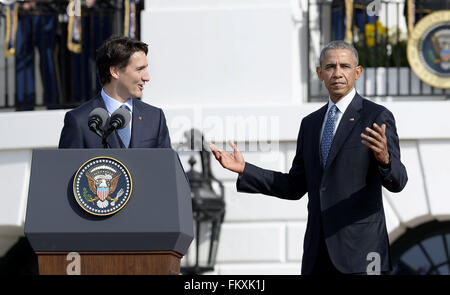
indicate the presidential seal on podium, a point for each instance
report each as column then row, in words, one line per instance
column 102, row 186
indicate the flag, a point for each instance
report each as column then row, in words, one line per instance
column 11, row 29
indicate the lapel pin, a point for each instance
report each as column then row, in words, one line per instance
column 140, row 118
column 352, row 119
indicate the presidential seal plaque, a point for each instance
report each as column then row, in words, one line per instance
column 428, row 49
column 102, row 186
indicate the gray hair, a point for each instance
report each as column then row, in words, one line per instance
column 338, row 44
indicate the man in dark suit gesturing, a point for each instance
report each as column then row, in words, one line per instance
column 122, row 70
column 346, row 151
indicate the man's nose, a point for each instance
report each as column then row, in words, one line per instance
column 337, row 71
column 146, row 76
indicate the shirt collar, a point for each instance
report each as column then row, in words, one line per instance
column 112, row 104
column 344, row 102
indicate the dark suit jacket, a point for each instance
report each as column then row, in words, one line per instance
column 345, row 197
column 148, row 130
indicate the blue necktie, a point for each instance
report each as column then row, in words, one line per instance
column 125, row 133
column 328, row 134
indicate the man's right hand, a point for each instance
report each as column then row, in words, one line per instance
column 231, row 161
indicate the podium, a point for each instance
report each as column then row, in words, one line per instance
column 68, row 228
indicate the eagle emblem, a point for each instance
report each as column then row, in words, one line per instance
column 428, row 49
column 440, row 54
column 102, row 186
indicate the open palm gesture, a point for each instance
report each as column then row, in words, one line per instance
column 232, row 161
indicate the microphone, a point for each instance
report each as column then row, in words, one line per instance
column 119, row 119
column 97, row 120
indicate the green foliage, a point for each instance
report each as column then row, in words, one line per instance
column 86, row 196
column 381, row 47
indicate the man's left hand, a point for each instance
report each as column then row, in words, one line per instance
column 377, row 142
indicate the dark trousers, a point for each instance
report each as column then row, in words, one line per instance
column 84, row 83
column 39, row 31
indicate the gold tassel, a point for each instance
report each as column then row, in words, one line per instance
column 74, row 36
column 11, row 29
column 411, row 16
column 130, row 18
column 348, row 21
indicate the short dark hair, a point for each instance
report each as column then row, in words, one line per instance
column 116, row 52
column 338, row 44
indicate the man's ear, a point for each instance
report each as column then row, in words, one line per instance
column 319, row 73
column 359, row 70
column 114, row 71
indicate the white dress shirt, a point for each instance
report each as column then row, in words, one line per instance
column 112, row 104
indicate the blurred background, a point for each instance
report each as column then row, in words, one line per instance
column 241, row 70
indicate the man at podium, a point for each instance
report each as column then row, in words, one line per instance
column 122, row 70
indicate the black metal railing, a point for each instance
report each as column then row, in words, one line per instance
column 381, row 47
column 43, row 72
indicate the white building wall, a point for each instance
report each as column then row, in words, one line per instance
column 236, row 70
column 221, row 52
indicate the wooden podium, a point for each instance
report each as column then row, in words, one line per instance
column 112, row 263
column 149, row 235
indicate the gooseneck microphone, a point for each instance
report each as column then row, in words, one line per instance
column 119, row 119
column 97, row 120
column 99, row 117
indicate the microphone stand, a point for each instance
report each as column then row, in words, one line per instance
column 104, row 139
column 103, row 135
column 105, row 143
column 114, row 125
